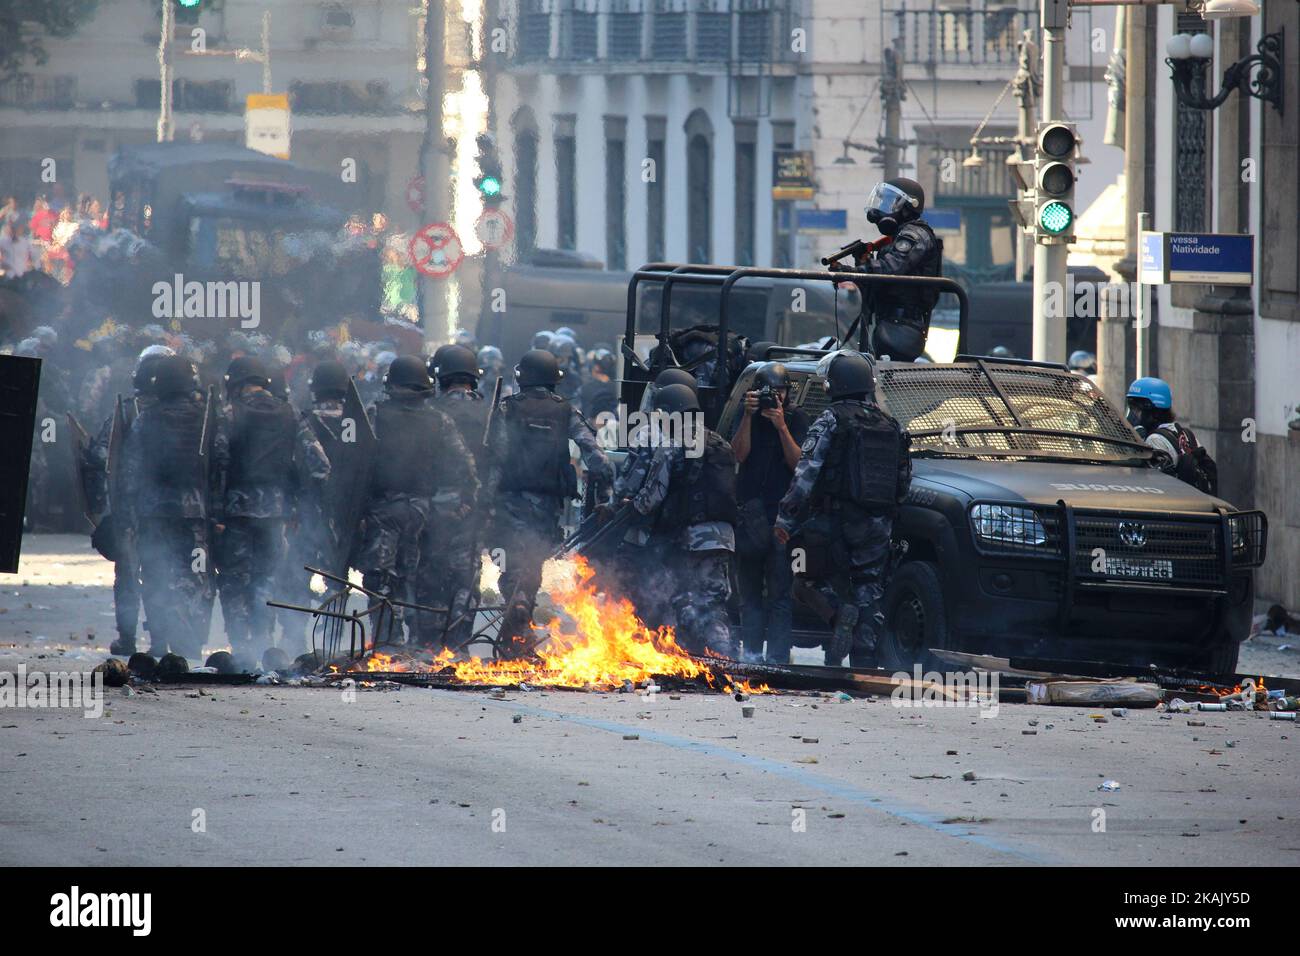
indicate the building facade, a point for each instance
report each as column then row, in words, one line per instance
column 350, row 70
column 647, row 130
column 1231, row 354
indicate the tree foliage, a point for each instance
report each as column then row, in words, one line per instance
column 24, row 25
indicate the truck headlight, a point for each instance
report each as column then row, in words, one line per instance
column 1001, row 524
column 1248, row 534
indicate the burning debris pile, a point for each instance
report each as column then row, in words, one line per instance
column 598, row 643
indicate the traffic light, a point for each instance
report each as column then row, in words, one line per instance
column 1054, row 179
column 189, row 4
column 489, row 181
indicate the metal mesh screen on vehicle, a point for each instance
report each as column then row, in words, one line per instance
column 944, row 399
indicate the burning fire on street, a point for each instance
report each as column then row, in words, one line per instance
column 598, row 643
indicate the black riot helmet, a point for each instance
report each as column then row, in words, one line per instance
column 675, row 376
column 772, row 375
column 676, row 398
column 247, row 370
column 894, row 203
column 455, row 363
column 145, row 365
column 174, row 375
column 407, row 372
column 329, row 380
column 848, row 375
column 538, row 367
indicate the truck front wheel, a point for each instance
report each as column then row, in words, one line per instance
column 915, row 618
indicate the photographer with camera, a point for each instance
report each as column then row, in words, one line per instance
column 766, row 444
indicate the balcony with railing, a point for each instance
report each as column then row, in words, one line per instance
column 983, row 33
column 649, row 34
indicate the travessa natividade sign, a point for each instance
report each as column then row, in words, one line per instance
column 1208, row 258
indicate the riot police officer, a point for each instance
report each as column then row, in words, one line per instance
column 420, row 451
column 450, row 546
column 270, row 460
column 910, row 248
column 854, row 470
column 113, row 536
column 692, row 498
column 171, row 484
column 640, row 563
column 314, row 542
column 530, row 452
column 1178, row 453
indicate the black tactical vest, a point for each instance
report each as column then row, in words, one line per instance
column 861, row 466
column 470, row 416
column 537, row 444
column 172, row 432
column 704, row 490
column 409, row 434
column 915, row 302
column 262, row 436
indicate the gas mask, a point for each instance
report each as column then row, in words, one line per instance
column 888, row 207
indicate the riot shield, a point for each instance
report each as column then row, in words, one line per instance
column 116, row 457
column 19, row 381
column 81, row 463
column 344, row 496
column 114, row 538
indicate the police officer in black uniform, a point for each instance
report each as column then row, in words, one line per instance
column 171, row 486
column 269, row 459
column 312, row 544
column 854, row 470
column 111, row 530
column 902, row 315
column 420, row 451
column 530, row 452
column 451, row 543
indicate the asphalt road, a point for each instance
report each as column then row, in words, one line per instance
column 289, row 775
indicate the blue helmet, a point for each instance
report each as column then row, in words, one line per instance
column 1154, row 390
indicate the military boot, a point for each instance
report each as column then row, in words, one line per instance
column 837, row 648
column 123, row 645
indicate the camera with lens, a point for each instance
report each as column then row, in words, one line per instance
column 766, row 397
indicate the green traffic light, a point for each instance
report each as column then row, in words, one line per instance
column 1056, row 217
column 489, row 186
column 189, row 3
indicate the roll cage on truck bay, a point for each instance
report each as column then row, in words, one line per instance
column 714, row 393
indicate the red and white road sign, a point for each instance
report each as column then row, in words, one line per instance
column 494, row 228
column 436, row 250
column 415, row 194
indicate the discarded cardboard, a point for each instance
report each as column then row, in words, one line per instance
column 1077, row 693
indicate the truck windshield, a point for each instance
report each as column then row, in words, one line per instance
column 988, row 410
column 251, row 249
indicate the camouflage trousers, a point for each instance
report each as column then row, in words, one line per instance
column 527, row 529
column 448, row 578
column 643, row 574
column 860, row 548
column 249, row 554
column 389, row 555
column 703, row 585
column 175, row 583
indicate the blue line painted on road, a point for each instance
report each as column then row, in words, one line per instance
column 835, row 788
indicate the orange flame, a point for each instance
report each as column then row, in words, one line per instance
column 601, row 645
